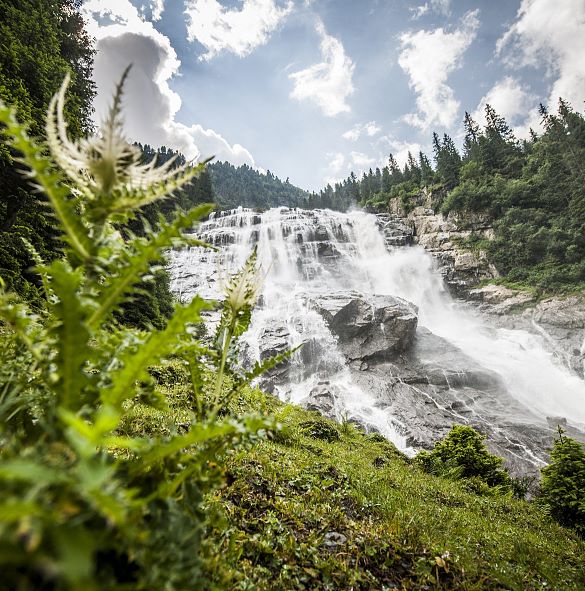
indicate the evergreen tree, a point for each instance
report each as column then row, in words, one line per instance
column 563, row 483
column 42, row 40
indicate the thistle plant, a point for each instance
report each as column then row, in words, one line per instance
column 80, row 502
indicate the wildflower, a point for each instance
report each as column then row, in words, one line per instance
column 243, row 288
column 106, row 169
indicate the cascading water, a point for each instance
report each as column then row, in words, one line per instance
column 465, row 371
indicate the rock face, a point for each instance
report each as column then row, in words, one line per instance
column 441, row 235
column 366, row 357
column 560, row 320
column 368, row 327
column 274, row 340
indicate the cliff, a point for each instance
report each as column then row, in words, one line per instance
column 469, row 275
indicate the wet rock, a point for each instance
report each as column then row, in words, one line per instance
column 327, row 250
column 497, row 299
column 368, row 326
column 322, row 399
column 320, row 234
column 274, row 340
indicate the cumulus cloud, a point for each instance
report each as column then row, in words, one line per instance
column 428, row 57
column 553, row 34
column 369, row 129
column 336, row 162
column 151, row 106
column 219, row 28
column 361, row 161
column 512, row 101
column 156, row 8
column 441, row 6
column 399, row 149
column 328, row 83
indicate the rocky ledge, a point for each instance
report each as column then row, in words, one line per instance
column 441, row 236
column 561, row 321
column 368, row 326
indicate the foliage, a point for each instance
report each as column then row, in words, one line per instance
column 403, row 528
column 152, row 305
column 462, row 454
column 246, row 187
column 85, row 504
column 532, row 191
column 41, row 41
column 563, row 483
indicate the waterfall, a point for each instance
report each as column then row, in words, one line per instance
column 307, row 254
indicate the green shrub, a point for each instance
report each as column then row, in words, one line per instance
column 462, row 454
column 320, row 429
column 563, row 483
column 86, row 502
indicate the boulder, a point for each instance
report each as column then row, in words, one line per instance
column 368, row 326
column 322, row 399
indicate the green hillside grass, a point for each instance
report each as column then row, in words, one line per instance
column 401, row 528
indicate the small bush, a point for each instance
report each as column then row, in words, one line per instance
column 563, row 483
column 320, row 429
column 462, row 454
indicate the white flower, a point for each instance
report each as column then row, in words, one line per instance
column 107, row 169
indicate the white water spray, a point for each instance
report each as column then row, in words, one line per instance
column 321, row 252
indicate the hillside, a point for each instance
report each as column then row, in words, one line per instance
column 208, row 401
column 245, row 186
column 319, row 505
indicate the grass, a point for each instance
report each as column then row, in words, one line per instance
column 317, row 505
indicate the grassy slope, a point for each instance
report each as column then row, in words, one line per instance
column 404, row 529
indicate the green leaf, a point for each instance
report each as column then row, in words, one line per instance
column 29, row 471
column 72, row 336
column 158, row 343
column 14, row 510
column 137, row 264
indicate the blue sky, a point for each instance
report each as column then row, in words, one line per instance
column 313, row 89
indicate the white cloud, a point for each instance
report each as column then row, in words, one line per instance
column 150, row 106
column 441, row 6
column 336, row 162
column 512, row 101
column 399, row 149
column 428, row 57
column 157, row 8
column 550, row 33
column 219, row 28
column 369, row 129
column 361, row 161
column 328, row 83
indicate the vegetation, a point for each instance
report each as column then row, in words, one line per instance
column 563, row 483
column 85, row 505
column 246, row 187
column 318, row 505
column 533, row 191
column 42, row 40
column 462, row 454
column 134, row 454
